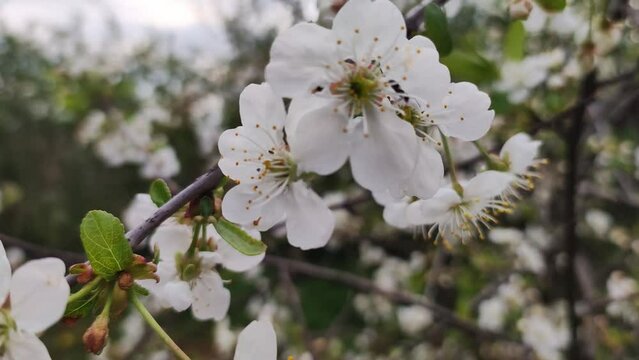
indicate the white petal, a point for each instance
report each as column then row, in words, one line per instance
column 435, row 209
column 261, row 109
column 178, row 295
column 299, row 59
column 319, row 142
column 487, row 184
column 388, row 155
column 23, row 345
column 309, row 221
column 39, row 293
column 210, row 299
column 5, row 274
column 395, row 214
column 467, row 116
column 257, row 342
column 521, row 151
column 240, row 205
column 235, row 260
column 419, row 73
column 369, row 28
column 172, row 239
column 422, row 42
column 243, row 150
column 140, row 209
column 428, row 174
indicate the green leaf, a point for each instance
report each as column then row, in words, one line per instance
column 515, row 41
column 238, row 238
column 82, row 306
column 552, row 5
column 470, row 66
column 104, row 243
column 160, row 192
column 437, row 28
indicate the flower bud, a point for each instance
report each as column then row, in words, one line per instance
column 95, row 337
column 125, row 281
column 520, row 9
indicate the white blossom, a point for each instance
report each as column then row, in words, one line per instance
column 267, row 166
column 546, row 331
column 37, row 293
column 455, row 217
column 162, row 163
column 413, row 319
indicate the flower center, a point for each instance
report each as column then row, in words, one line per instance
column 280, row 167
column 188, row 267
column 359, row 87
column 7, row 325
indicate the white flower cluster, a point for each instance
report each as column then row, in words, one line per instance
column 118, row 141
column 188, row 276
column 363, row 93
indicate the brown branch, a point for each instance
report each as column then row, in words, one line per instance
column 365, row 285
column 206, row 182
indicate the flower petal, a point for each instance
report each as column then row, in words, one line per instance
column 521, row 151
column 261, row 109
column 172, row 239
column 387, row 155
column 368, row 29
column 320, row 142
column 428, row 174
column 465, row 115
column 240, row 205
column 211, row 300
column 141, row 208
column 5, row 274
column 487, row 184
column 39, row 293
column 178, row 295
column 257, row 341
column 299, row 59
column 243, row 150
column 23, row 345
column 309, row 221
column 436, row 208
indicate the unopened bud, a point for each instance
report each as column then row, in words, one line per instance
column 125, row 281
column 95, row 337
column 520, row 9
column 84, row 272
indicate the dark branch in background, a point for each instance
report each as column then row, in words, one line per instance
column 573, row 140
column 364, row 285
column 203, row 184
column 38, row 251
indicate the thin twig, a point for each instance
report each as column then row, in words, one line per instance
column 200, row 186
column 365, row 285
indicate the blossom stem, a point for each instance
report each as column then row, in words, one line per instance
column 196, row 235
column 86, row 289
column 490, row 159
column 146, row 315
column 451, row 166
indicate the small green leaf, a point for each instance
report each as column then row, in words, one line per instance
column 515, row 41
column 160, row 192
column 104, row 243
column 82, row 306
column 437, row 28
column 238, row 238
column 552, row 5
column 470, row 66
